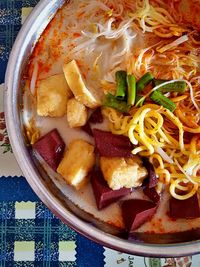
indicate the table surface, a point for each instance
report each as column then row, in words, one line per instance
column 30, row 235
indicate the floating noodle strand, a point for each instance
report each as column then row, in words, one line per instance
column 144, row 127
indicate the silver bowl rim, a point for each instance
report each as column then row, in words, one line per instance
column 25, row 38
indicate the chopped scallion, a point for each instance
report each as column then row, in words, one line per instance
column 162, row 100
column 139, row 101
column 120, row 77
column 176, row 86
column 144, row 81
column 131, row 82
column 112, row 102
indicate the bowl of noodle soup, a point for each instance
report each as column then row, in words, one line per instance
column 115, row 86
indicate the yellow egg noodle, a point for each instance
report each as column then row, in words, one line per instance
column 144, row 36
column 145, row 128
column 151, row 127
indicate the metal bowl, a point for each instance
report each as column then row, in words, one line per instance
column 43, row 186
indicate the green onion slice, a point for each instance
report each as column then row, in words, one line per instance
column 144, row 81
column 112, row 102
column 131, row 82
column 139, row 101
column 176, row 86
column 120, row 77
column 162, row 100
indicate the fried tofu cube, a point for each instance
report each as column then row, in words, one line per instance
column 52, row 96
column 77, row 163
column 76, row 113
column 76, row 84
column 122, row 172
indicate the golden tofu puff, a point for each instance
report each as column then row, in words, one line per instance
column 76, row 84
column 122, row 172
column 52, row 96
column 77, row 162
column 76, row 113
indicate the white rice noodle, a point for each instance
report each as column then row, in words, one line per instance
column 83, row 46
column 109, row 78
column 124, row 26
column 185, row 173
column 34, row 79
column 125, row 45
column 195, row 78
column 175, row 43
column 103, row 30
column 94, row 4
column 107, row 31
column 172, row 81
column 138, row 63
column 164, row 155
column 120, row 11
column 193, row 165
column 192, row 96
column 114, row 48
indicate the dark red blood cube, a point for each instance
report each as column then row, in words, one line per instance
column 103, row 194
column 86, row 128
column 136, row 212
column 96, row 116
column 51, row 148
column 150, row 182
column 152, row 179
column 112, row 145
column 187, row 209
column 151, row 193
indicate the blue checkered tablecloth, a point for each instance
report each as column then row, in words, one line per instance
column 30, row 235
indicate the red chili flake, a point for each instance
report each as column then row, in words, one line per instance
column 76, row 34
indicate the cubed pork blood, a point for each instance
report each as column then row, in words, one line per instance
column 96, row 116
column 150, row 182
column 187, row 209
column 136, row 212
column 103, row 194
column 112, row 145
column 151, row 193
column 86, row 128
column 51, row 148
column 151, row 173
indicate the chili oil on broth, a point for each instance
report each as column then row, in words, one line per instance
column 67, row 37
